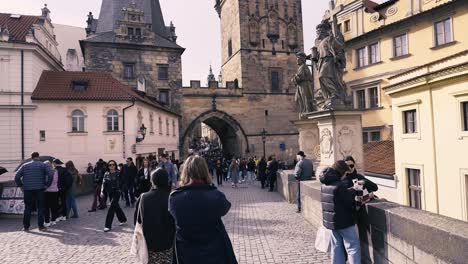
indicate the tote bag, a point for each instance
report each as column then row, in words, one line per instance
column 139, row 248
column 323, row 239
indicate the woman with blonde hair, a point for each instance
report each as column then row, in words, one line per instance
column 197, row 207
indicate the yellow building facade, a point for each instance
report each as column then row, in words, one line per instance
column 407, row 67
column 430, row 117
column 383, row 40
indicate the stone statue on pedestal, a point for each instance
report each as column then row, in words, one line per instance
column 303, row 80
column 330, row 61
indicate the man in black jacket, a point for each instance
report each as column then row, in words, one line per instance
column 65, row 182
column 272, row 171
column 339, row 209
column 128, row 177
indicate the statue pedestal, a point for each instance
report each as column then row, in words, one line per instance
column 328, row 136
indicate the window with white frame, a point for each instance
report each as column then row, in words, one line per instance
column 112, row 120
column 368, row 55
column 410, row 121
column 361, row 57
column 42, row 135
column 465, row 115
column 151, row 119
column 360, row 99
column 443, row 32
column 371, row 136
column 373, row 95
column 160, row 126
column 414, row 187
column 374, row 53
column 400, row 45
column 167, row 127
column 77, row 121
column 366, row 98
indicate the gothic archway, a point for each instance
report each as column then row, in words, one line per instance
column 231, row 134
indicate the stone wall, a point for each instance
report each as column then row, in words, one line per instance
column 392, row 233
column 111, row 58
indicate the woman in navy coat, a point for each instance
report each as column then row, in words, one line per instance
column 197, row 208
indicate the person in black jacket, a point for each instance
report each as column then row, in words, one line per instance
column 262, row 166
column 198, row 207
column 158, row 224
column 272, row 171
column 99, row 171
column 144, row 178
column 338, row 210
column 111, row 186
column 354, row 175
column 128, row 177
column 65, row 181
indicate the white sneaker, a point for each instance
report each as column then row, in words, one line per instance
column 60, row 218
column 106, row 229
column 46, row 224
column 122, row 223
column 53, row 223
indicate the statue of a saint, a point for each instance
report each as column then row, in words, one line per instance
column 303, row 80
column 329, row 57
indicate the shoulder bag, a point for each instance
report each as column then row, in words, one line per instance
column 139, row 247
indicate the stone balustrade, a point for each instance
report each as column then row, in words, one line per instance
column 389, row 232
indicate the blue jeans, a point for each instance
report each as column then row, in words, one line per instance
column 348, row 239
column 71, row 205
column 299, row 207
column 30, row 197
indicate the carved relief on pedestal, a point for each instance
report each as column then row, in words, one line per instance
column 326, row 143
column 345, row 141
column 307, row 141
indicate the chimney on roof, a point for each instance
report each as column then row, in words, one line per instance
column 30, row 36
column 141, row 86
column 4, row 34
column 45, row 12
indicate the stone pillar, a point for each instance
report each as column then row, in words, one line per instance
column 333, row 135
column 308, row 138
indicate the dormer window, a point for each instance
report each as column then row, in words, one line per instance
column 79, row 86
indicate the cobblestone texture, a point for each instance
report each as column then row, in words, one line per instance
column 263, row 229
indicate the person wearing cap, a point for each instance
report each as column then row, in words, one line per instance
column 65, row 181
column 304, row 171
column 34, row 177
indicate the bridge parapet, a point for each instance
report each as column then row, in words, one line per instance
column 389, row 232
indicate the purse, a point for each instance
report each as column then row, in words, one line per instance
column 139, row 247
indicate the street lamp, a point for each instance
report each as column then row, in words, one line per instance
column 264, row 135
column 141, row 133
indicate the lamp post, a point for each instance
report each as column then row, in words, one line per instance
column 141, row 134
column 264, row 134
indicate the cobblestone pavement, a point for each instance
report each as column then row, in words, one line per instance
column 263, row 229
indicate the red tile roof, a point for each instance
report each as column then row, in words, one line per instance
column 18, row 27
column 101, row 86
column 379, row 157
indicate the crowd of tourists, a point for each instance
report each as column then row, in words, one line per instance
column 49, row 188
column 188, row 206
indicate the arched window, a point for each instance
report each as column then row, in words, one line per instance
column 77, row 121
column 112, row 120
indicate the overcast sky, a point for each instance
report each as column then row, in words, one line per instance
column 196, row 21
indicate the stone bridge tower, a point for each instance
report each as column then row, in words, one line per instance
column 259, row 40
